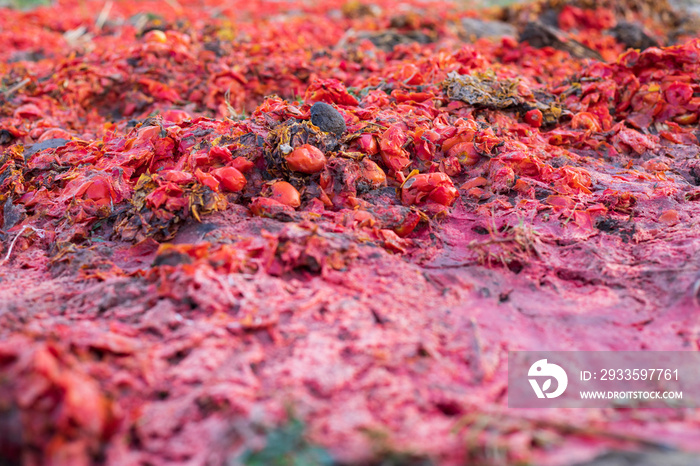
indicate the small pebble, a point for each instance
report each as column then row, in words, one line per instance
column 286, row 149
column 632, row 35
column 327, row 118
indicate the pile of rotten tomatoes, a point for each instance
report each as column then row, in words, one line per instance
column 201, row 264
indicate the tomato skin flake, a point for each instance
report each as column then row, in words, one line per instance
column 635, row 140
column 436, row 187
column 391, row 143
column 100, row 191
column 331, row 91
column 207, row 180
